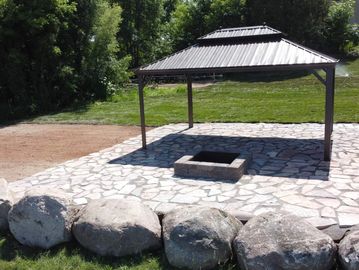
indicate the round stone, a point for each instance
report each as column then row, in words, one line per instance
column 6, row 200
column 42, row 218
column 199, row 237
column 279, row 240
column 349, row 251
column 114, row 227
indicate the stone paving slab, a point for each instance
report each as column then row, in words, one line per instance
column 287, row 171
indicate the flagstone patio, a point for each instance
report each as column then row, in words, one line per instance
column 286, row 171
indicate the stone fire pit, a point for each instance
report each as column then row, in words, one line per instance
column 214, row 165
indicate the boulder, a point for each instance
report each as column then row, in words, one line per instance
column 199, row 237
column 349, row 251
column 6, row 201
column 42, row 218
column 336, row 232
column 112, row 227
column 279, row 240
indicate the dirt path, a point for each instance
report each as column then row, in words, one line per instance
column 26, row 149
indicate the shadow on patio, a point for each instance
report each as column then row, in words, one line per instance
column 276, row 157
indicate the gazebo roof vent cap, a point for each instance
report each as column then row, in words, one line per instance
column 242, row 32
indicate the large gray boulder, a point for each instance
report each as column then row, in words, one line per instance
column 113, row 227
column 42, row 218
column 199, row 237
column 6, row 201
column 273, row 241
column 349, row 251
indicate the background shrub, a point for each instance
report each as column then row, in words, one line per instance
column 303, row 20
column 340, row 35
column 55, row 52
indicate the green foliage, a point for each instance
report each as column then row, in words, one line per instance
column 140, row 30
column 103, row 71
column 320, row 24
column 194, row 18
column 341, row 36
column 169, row 6
column 179, row 28
column 48, row 59
column 302, row 20
column 226, row 14
column 34, row 70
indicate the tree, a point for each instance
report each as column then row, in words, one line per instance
column 32, row 64
column 55, row 52
column 225, row 14
column 169, row 6
column 103, row 71
column 341, row 36
column 194, row 18
column 188, row 22
column 302, row 20
column 140, row 29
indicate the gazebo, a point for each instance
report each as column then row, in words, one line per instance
column 234, row 50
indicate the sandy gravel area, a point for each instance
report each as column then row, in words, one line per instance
column 26, row 149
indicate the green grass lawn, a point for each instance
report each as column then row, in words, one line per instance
column 14, row 256
column 294, row 100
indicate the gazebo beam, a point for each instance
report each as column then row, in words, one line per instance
column 190, row 101
column 141, row 85
column 329, row 112
column 320, row 78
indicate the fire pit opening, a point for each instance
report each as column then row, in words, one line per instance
column 215, row 157
column 214, row 165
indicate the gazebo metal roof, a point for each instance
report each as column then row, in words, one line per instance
column 256, row 48
column 239, row 49
column 262, row 30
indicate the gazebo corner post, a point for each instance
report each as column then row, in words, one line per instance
column 141, row 85
column 190, row 100
column 329, row 112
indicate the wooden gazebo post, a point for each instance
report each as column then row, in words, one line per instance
column 190, row 101
column 329, row 111
column 141, row 85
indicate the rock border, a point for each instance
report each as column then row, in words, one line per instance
column 346, row 238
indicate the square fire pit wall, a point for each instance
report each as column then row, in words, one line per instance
column 214, row 165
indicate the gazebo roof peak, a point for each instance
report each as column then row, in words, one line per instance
column 242, row 32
